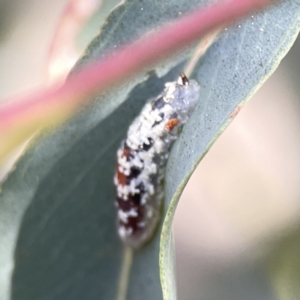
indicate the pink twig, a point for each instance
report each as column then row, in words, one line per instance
column 105, row 72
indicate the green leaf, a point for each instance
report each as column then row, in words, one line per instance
column 91, row 28
column 230, row 73
column 57, row 211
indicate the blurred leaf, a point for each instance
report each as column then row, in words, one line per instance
column 57, row 211
column 283, row 266
column 80, row 18
column 91, row 28
column 52, row 106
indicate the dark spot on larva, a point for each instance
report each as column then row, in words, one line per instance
column 157, row 159
column 145, row 146
column 124, row 205
column 174, row 115
column 157, row 122
column 158, row 103
column 136, row 198
column 134, row 172
column 141, row 188
column 153, row 178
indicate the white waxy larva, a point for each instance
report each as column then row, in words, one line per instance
column 142, row 158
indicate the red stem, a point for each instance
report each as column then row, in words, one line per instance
column 107, row 71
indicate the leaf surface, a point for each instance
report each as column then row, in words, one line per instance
column 57, row 211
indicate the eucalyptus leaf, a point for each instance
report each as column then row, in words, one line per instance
column 57, row 216
column 232, row 70
column 91, row 28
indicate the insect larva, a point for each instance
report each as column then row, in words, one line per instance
column 142, row 158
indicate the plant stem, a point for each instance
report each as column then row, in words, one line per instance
column 200, row 50
column 124, row 274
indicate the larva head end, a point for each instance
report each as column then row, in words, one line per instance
column 182, row 80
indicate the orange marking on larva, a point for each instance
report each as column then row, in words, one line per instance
column 171, row 124
column 126, row 151
column 121, row 177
